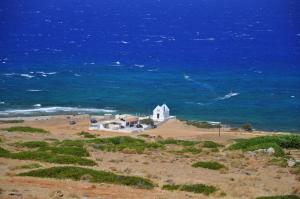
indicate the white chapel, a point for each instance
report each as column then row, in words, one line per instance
column 161, row 113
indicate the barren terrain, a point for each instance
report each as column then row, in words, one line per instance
column 245, row 175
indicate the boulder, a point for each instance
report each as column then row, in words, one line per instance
column 291, row 162
column 270, row 151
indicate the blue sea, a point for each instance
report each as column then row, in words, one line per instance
column 230, row 61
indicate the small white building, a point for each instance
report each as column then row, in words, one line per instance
column 124, row 123
column 161, row 113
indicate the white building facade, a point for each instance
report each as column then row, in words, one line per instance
column 161, row 113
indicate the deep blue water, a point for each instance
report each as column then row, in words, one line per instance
column 228, row 61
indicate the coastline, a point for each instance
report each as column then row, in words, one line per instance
column 56, row 111
column 225, row 126
column 59, row 125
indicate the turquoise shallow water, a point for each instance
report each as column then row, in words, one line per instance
column 216, row 60
column 267, row 100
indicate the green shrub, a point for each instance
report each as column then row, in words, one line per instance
column 75, row 173
column 280, row 197
column 285, row 141
column 209, row 165
column 205, row 125
column 171, row 187
column 199, row 188
column 178, row 142
column 74, row 151
column 281, row 162
column 28, row 166
column 25, row 129
column 44, row 156
column 58, row 148
column 211, row 144
column 3, row 152
column 192, row 150
column 277, row 142
column 147, row 121
column 34, row 144
column 195, row 188
column 69, row 143
column 289, row 141
column 11, row 121
column 123, row 143
column 247, row 127
column 51, row 158
column 87, row 135
column 278, row 150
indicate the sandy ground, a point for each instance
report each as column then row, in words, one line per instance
column 247, row 176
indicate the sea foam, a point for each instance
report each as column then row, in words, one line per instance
column 153, row 70
column 27, row 76
column 34, row 90
column 53, row 110
column 139, row 65
column 9, row 74
column 229, row 95
column 205, row 39
column 200, row 84
column 187, row 77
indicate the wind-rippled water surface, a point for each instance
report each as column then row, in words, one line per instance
column 233, row 62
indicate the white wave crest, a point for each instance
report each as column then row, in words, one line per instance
column 153, row 70
column 187, row 77
column 139, row 65
column 9, row 74
column 45, row 74
column 52, row 110
column 27, row 76
column 51, row 73
column 205, row 39
column 34, row 90
column 229, row 95
column 117, row 63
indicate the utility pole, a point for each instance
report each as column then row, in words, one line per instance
column 220, row 125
